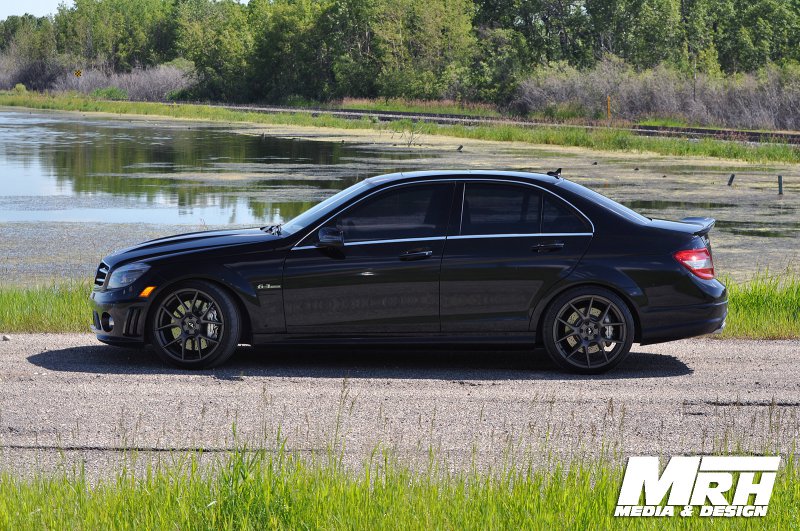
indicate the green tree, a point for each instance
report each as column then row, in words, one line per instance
column 216, row 37
column 424, row 46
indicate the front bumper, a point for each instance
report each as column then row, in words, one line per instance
column 118, row 319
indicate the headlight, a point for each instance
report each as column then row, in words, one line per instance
column 126, row 275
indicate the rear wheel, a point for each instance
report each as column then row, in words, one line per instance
column 588, row 330
column 195, row 325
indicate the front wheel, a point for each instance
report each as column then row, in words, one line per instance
column 588, row 330
column 195, row 325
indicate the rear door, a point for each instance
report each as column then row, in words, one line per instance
column 513, row 241
column 385, row 279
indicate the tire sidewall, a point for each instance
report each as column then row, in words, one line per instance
column 552, row 313
column 230, row 334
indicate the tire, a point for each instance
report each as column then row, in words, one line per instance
column 195, row 325
column 588, row 330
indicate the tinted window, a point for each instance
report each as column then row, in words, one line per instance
column 413, row 211
column 558, row 217
column 500, row 209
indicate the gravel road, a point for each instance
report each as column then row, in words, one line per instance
column 66, row 399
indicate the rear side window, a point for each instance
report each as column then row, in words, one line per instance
column 500, row 209
column 412, row 211
column 558, row 217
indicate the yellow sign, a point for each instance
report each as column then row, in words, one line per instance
column 78, row 73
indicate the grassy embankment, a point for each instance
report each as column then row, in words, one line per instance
column 599, row 139
column 766, row 307
column 265, row 490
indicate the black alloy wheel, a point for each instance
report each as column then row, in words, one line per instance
column 588, row 330
column 195, row 325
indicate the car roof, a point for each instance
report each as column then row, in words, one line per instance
column 462, row 174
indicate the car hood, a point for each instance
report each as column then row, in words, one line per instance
column 193, row 241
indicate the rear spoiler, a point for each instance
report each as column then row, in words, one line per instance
column 704, row 225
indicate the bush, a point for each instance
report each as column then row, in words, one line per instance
column 153, row 84
column 767, row 99
column 19, row 88
column 110, row 93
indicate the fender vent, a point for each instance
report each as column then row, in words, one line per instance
column 132, row 322
column 100, row 276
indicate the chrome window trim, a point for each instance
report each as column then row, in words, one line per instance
column 531, row 235
column 456, row 180
column 377, row 242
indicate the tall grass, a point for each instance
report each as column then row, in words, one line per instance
column 60, row 307
column 264, row 490
column 765, row 307
column 599, row 139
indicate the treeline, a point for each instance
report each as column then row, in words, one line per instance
column 472, row 50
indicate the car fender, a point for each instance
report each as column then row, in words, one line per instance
column 591, row 274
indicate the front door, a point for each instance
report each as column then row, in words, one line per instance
column 514, row 241
column 386, row 276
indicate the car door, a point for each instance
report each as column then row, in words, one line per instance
column 513, row 241
column 385, row 276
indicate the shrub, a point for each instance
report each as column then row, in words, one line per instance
column 151, row 84
column 767, row 99
column 19, row 88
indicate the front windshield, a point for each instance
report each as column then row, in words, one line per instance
column 320, row 209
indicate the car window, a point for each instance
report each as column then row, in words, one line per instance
column 320, row 209
column 500, row 209
column 558, row 217
column 411, row 211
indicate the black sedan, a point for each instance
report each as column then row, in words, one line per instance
column 424, row 257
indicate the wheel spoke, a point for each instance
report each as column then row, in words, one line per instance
column 205, row 321
column 575, row 351
column 183, row 349
column 173, row 341
column 588, row 361
column 603, row 350
column 580, row 313
column 611, row 324
column 208, row 309
column 605, row 312
column 573, row 333
column 589, row 309
column 210, row 339
column 165, row 327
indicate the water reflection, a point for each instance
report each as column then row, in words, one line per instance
column 57, row 167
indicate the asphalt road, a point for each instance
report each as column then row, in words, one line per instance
column 66, row 399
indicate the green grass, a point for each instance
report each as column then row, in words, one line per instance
column 597, row 139
column 765, row 307
column 60, row 307
column 265, row 490
column 420, row 106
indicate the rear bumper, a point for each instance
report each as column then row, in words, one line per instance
column 118, row 320
column 668, row 324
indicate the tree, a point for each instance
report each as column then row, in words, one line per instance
column 216, row 37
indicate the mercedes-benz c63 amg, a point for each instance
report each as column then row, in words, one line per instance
column 423, row 257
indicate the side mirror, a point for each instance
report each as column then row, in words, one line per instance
column 329, row 237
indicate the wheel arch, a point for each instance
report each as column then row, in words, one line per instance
column 244, row 315
column 545, row 304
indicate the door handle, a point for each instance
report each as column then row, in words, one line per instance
column 548, row 247
column 416, row 255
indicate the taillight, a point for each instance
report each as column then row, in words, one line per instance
column 698, row 261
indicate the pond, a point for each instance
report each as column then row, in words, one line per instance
column 64, row 167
